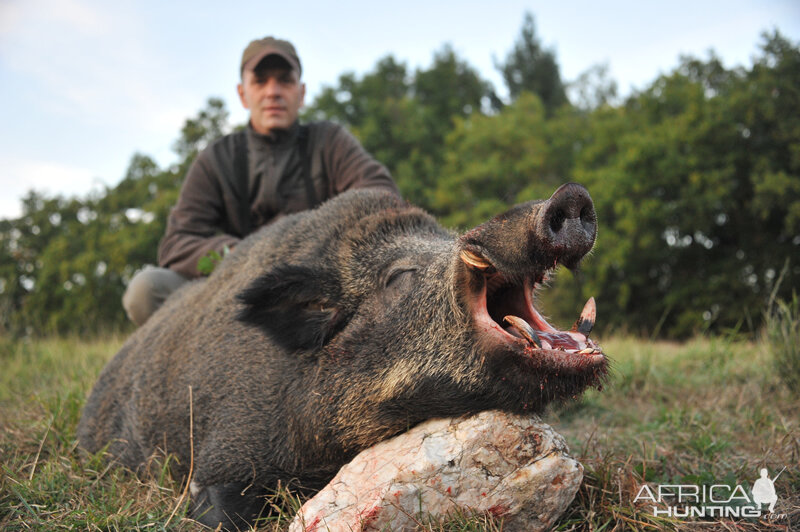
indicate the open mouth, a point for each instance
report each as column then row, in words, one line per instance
column 504, row 309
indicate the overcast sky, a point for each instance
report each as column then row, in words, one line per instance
column 84, row 84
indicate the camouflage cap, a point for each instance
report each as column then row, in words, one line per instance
column 261, row 48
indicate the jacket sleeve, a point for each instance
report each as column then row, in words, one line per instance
column 350, row 166
column 195, row 224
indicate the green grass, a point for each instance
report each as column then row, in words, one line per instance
column 707, row 411
column 782, row 334
column 48, row 484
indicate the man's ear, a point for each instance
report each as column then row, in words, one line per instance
column 240, row 91
column 295, row 305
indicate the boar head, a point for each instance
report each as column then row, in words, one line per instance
column 399, row 320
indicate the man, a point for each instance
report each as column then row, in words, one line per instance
column 250, row 178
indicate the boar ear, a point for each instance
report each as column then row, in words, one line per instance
column 294, row 305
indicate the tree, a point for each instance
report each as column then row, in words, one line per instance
column 64, row 263
column 492, row 162
column 695, row 179
column 530, row 67
column 593, row 88
column 403, row 119
column 210, row 123
column 696, row 185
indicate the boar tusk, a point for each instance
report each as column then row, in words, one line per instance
column 524, row 328
column 585, row 322
column 476, row 261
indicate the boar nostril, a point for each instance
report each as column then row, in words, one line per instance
column 557, row 220
column 588, row 218
column 570, row 224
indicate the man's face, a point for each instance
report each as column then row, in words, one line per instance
column 273, row 94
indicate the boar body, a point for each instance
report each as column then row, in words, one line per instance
column 334, row 329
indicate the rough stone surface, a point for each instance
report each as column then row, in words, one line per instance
column 510, row 466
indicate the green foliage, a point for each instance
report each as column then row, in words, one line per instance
column 210, row 123
column 593, row 89
column 696, row 182
column 208, row 263
column 401, row 118
column 681, row 177
column 531, row 68
column 493, row 162
column 64, row 263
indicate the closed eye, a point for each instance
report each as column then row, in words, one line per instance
column 400, row 275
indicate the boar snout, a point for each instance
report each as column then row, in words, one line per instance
column 505, row 261
column 535, row 236
column 567, row 225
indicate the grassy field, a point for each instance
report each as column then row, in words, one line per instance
column 706, row 412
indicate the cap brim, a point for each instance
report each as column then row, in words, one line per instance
column 255, row 60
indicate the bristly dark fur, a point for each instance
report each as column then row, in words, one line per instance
column 291, row 304
column 321, row 335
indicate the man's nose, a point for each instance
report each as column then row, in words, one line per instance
column 272, row 86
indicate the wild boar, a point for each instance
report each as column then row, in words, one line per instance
column 333, row 329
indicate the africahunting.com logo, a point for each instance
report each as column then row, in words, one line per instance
column 714, row 501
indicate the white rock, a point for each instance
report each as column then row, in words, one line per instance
column 510, row 466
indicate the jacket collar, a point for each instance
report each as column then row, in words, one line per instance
column 275, row 137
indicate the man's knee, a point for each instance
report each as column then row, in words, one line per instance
column 148, row 290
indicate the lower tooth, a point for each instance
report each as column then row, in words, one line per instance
column 524, row 329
